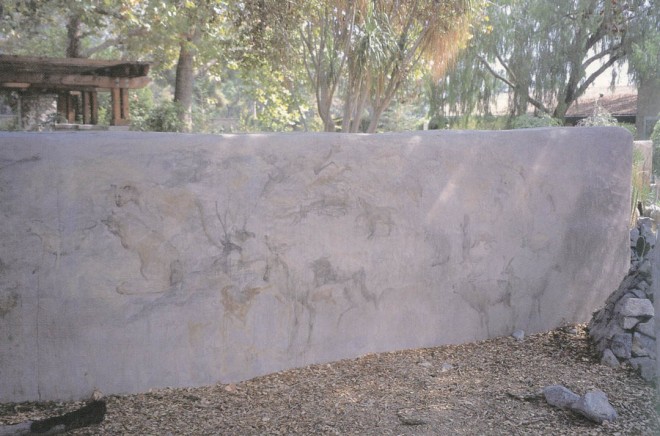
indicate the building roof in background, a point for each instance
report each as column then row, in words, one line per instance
column 624, row 104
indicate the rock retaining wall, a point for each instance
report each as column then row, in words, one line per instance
column 130, row 261
column 624, row 329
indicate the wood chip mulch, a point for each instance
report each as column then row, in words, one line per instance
column 486, row 388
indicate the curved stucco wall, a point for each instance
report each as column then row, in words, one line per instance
column 130, row 261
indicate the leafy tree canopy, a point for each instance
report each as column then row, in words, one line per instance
column 546, row 54
column 360, row 52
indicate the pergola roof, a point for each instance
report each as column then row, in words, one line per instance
column 20, row 72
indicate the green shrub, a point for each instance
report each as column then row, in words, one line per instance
column 629, row 127
column 641, row 191
column 527, row 121
column 655, row 137
column 163, row 118
column 142, row 103
column 600, row 117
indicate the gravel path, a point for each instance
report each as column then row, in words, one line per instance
column 486, row 388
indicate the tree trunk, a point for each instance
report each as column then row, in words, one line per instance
column 328, row 123
column 560, row 110
column 323, row 103
column 356, row 124
column 648, row 106
column 434, row 104
column 183, row 89
column 381, row 103
column 349, row 104
column 73, row 34
column 375, row 118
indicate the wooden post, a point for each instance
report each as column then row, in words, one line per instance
column 94, row 99
column 70, row 109
column 90, row 109
column 86, row 108
column 120, row 111
column 116, row 106
column 125, row 113
column 19, row 106
column 61, row 107
column 65, row 108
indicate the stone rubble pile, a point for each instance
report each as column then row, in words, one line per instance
column 624, row 330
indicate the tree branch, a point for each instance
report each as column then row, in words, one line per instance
column 534, row 102
column 202, row 70
column 505, row 66
column 113, row 42
column 495, row 74
column 612, row 60
column 597, row 56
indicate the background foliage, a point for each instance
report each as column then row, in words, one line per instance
column 344, row 65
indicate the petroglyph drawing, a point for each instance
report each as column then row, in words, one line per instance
column 330, row 173
column 236, row 302
column 375, row 220
column 441, row 246
column 474, row 247
column 126, row 194
column 232, row 238
column 350, row 287
column 50, row 238
column 276, row 176
column 332, row 206
column 466, row 240
column 8, row 302
column 143, row 222
column 57, row 244
column 159, row 265
column 5, row 163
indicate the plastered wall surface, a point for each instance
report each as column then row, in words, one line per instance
column 131, row 261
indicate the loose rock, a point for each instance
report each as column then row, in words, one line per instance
column 645, row 366
column 647, row 328
column 642, row 345
column 559, row 396
column 411, row 417
column 609, row 359
column 595, row 406
column 645, row 268
column 629, row 322
column 621, row 345
column 446, row 367
column 636, row 307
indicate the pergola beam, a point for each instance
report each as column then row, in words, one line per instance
column 74, row 65
column 77, row 81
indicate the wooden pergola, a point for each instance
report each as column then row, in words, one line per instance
column 77, row 83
